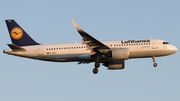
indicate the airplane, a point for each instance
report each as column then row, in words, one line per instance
column 111, row 54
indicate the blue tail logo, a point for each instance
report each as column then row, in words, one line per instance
column 16, row 33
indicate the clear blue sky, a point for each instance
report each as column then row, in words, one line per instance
column 49, row 22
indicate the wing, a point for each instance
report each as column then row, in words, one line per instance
column 93, row 44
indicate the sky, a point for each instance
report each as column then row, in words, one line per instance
column 49, row 21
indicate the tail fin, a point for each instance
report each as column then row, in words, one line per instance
column 18, row 36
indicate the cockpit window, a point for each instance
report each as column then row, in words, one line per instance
column 165, row 43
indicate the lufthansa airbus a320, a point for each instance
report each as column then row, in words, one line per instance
column 111, row 54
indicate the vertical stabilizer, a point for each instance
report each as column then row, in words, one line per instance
column 18, row 36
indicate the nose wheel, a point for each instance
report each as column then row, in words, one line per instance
column 155, row 64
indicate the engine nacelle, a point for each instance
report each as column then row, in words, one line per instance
column 113, row 65
column 119, row 54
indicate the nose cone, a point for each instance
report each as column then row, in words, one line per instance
column 173, row 49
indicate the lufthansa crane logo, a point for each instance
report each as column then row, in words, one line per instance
column 16, row 33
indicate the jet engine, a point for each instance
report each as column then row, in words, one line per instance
column 119, row 54
column 113, row 65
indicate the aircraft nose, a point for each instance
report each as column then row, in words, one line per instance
column 173, row 49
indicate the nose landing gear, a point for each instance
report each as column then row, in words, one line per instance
column 155, row 64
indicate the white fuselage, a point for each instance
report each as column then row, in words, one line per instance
column 79, row 52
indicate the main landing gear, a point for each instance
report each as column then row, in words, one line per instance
column 95, row 70
column 97, row 63
column 155, row 64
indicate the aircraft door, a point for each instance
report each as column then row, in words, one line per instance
column 40, row 50
column 154, row 44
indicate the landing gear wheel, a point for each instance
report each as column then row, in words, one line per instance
column 97, row 64
column 155, row 64
column 95, row 70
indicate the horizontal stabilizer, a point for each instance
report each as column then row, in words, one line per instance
column 16, row 48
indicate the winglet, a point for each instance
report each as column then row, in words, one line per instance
column 76, row 25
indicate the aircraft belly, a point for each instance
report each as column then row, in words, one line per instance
column 147, row 53
column 63, row 57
